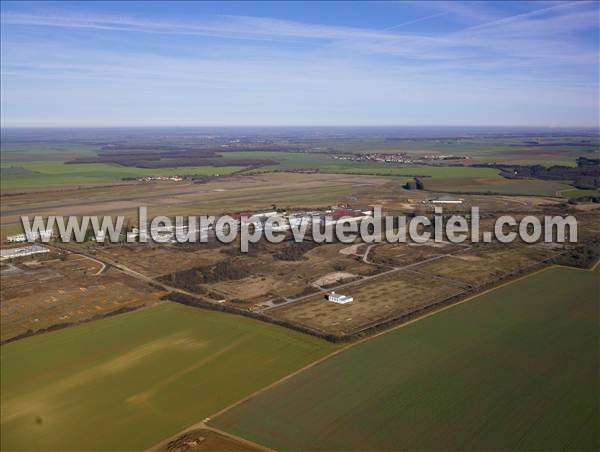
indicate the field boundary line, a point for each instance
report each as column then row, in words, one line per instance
column 591, row 269
column 205, row 421
column 360, row 341
column 159, row 447
column 239, row 439
column 162, row 445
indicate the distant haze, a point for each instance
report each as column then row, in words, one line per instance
column 83, row 134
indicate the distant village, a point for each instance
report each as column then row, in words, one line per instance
column 398, row 157
column 160, row 178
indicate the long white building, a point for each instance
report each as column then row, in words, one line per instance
column 31, row 236
column 10, row 253
column 339, row 298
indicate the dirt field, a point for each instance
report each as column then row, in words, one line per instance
column 399, row 254
column 207, row 440
column 155, row 260
column 42, row 293
column 333, row 278
column 487, row 262
column 375, row 300
column 234, row 193
column 405, row 290
column 228, row 194
column 272, row 278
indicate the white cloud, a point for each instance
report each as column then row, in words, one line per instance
column 265, row 70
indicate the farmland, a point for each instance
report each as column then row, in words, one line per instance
column 264, row 277
column 39, row 174
column 375, row 300
column 500, row 185
column 231, row 194
column 311, row 226
column 437, row 273
column 545, row 150
column 444, row 178
column 37, row 164
column 62, row 290
column 515, row 368
column 101, row 385
column 114, row 379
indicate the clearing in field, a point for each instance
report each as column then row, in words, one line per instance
column 516, row 368
column 398, row 293
column 487, row 263
column 272, row 272
column 375, row 300
column 130, row 381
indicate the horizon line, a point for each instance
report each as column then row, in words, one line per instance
column 520, row 126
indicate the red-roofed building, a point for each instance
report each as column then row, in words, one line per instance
column 238, row 216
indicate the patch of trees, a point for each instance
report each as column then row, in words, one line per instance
column 584, row 161
column 168, row 160
column 223, row 271
column 261, row 145
column 415, row 184
column 129, row 157
column 583, row 255
column 254, row 249
column 586, row 175
column 535, row 143
column 191, row 278
column 592, row 199
column 294, row 251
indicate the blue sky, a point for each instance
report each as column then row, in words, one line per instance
column 266, row 63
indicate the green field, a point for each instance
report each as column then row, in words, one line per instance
column 573, row 193
column 130, row 381
column 325, row 163
column 516, row 368
column 43, row 173
column 462, row 179
column 44, row 166
column 555, row 150
column 535, row 187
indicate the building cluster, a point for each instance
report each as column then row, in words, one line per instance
column 32, row 236
column 398, row 157
column 258, row 220
column 297, row 219
column 444, row 157
column 11, row 253
column 160, row 178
